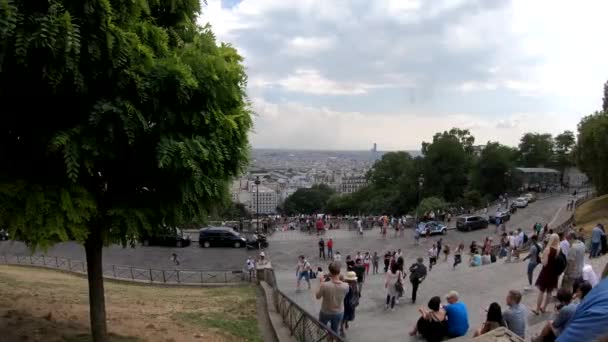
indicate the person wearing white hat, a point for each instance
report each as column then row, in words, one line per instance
column 351, row 301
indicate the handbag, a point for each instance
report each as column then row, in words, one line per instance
column 399, row 286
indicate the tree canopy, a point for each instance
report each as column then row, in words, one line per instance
column 592, row 149
column 308, row 201
column 493, row 168
column 536, row 150
column 118, row 117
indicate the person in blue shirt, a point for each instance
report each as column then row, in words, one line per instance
column 590, row 317
column 458, row 318
column 596, row 240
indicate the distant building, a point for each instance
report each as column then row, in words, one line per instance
column 537, row 177
column 477, row 149
column 375, row 148
column 267, row 199
column 350, row 184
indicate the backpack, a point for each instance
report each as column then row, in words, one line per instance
column 560, row 263
column 525, row 238
column 354, row 298
column 538, row 261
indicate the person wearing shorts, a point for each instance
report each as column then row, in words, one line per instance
column 303, row 271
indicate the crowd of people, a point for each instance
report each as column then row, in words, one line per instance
column 560, row 255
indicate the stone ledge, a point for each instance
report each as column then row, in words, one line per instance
column 281, row 332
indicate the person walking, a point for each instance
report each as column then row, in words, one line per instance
column 387, row 260
column 432, row 252
column 250, row 264
column 575, row 261
column 367, row 260
column 375, row 261
column 330, row 248
column 332, row 295
column 303, row 271
column 534, row 256
column 547, row 279
column 439, row 247
column 416, row 237
column 351, row 301
column 393, row 285
column 417, row 275
column 321, row 248
column 360, row 272
column 596, row 240
column 175, row 259
column 446, row 252
column 458, row 254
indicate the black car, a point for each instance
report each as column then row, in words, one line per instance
column 220, row 237
column 471, row 222
column 171, row 237
column 500, row 217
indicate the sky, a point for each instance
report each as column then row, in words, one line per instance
column 344, row 74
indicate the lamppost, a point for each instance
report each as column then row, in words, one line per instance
column 508, row 184
column 257, row 202
column 420, row 184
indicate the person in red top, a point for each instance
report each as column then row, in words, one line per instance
column 330, row 249
column 320, row 225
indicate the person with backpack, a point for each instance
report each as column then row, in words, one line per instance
column 554, row 263
column 417, row 275
column 351, row 301
column 534, row 256
column 303, row 271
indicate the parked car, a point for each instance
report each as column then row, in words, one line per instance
column 171, row 237
column 520, row 202
column 502, row 215
column 3, row 235
column 220, row 237
column 530, row 197
column 433, row 227
column 471, row 222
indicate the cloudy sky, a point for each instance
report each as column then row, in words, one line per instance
column 343, row 74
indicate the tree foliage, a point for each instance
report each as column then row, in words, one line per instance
column 117, row 117
column 564, row 144
column 432, row 203
column 592, row 149
column 447, row 162
column 308, row 201
column 491, row 174
column 536, row 150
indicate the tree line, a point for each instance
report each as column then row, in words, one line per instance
column 450, row 171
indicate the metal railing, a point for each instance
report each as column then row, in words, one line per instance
column 139, row 274
column 303, row 326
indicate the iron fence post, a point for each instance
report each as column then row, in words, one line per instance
column 70, row 264
column 164, row 278
column 132, row 277
column 44, row 260
column 56, row 262
column 84, row 270
column 151, row 280
column 201, row 277
column 114, row 270
column 177, row 272
column 225, row 277
column 31, row 260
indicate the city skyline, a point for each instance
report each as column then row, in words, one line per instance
column 339, row 75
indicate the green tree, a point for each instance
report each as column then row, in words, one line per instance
column 564, row 144
column 605, row 99
column 493, row 168
column 447, row 164
column 118, row 117
column 308, row 201
column 592, row 149
column 536, row 150
column 429, row 204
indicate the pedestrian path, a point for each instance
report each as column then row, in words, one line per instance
column 478, row 288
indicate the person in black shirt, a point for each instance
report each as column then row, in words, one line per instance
column 417, row 275
column 321, row 248
column 387, row 260
column 350, row 263
column 359, row 269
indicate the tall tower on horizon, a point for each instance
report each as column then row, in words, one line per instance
column 375, row 148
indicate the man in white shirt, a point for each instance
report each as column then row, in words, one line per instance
column 564, row 245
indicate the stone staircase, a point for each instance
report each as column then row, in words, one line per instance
column 478, row 288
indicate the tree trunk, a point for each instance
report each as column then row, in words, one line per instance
column 97, row 307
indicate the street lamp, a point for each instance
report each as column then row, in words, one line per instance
column 257, row 202
column 420, row 184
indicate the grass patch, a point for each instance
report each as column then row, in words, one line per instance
column 235, row 324
column 591, row 213
column 55, row 305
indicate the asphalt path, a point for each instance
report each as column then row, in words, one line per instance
column 286, row 246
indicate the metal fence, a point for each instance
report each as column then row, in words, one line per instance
column 121, row 272
column 303, row 326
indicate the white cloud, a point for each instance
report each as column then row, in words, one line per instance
column 307, row 46
column 312, row 82
column 496, row 59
